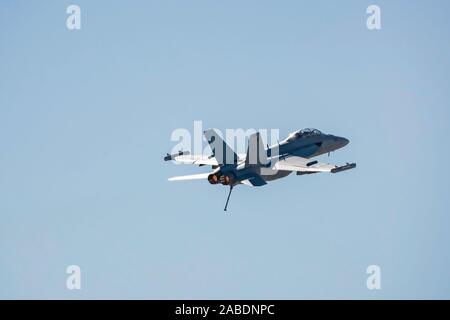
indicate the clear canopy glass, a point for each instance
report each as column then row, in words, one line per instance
column 302, row 133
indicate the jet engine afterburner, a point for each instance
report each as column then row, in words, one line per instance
column 216, row 178
column 213, row 178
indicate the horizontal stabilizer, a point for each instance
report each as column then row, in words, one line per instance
column 254, row 180
column 200, row 176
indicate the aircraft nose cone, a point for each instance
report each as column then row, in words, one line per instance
column 340, row 142
column 343, row 142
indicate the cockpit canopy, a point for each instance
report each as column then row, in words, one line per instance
column 302, row 133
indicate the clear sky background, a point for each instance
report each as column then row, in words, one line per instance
column 86, row 116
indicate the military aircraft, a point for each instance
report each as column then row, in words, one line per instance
column 261, row 165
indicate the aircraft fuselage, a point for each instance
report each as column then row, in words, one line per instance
column 304, row 146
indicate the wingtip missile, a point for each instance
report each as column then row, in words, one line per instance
column 169, row 157
column 348, row 166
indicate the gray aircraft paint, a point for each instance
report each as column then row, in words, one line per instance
column 261, row 165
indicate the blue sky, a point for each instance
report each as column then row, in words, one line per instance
column 86, row 116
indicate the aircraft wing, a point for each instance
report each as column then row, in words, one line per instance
column 303, row 165
column 200, row 176
column 200, row 160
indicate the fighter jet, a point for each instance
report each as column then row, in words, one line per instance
column 261, row 165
